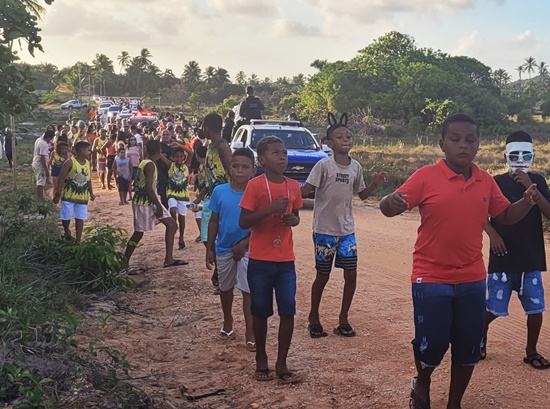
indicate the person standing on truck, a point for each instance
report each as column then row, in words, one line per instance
column 251, row 107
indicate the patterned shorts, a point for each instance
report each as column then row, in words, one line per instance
column 344, row 248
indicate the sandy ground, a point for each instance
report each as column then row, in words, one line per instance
column 169, row 329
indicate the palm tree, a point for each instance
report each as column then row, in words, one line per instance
column 209, row 75
column 168, row 78
column 191, row 72
column 103, row 63
column 501, row 78
column 543, row 72
column 102, row 67
column 144, row 58
column 34, row 8
column 123, row 60
column 530, row 65
column 240, row 78
column 520, row 71
column 221, row 77
column 299, row 80
column 253, row 79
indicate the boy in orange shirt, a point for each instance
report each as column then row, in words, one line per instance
column 269, row 207
column 454, row 198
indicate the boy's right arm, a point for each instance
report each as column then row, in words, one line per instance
column 394, row 204
column 213, row 226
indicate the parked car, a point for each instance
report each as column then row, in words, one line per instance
column 113, row 111
column 104, row 107
column 303, row 149
column 73, row 104
column 145, row 116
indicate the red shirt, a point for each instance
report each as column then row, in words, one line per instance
column 453, row 213
column 262, row 235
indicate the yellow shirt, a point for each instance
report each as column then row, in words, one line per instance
column 141, row 198
column 77, row 183
column 215, row 172
column 57, row 160
column 100, row 145
column 178, row 182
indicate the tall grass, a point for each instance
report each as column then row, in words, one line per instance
column 400, row 158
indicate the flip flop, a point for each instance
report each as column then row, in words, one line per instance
column 344, row 330
column 225, row 334
column 316, row 331
column 263, row 375
column 176, row 263
column 289, row 378
column 250, row 346
column 538, row 358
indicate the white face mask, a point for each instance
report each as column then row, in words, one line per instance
column 520, row 156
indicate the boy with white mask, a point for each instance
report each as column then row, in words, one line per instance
column 517, row 254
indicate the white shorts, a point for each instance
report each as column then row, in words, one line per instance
column 70, row 210
column 232, row 273
column 145, row 218
column 180, row 204
column 40, row 175
column 198, row 215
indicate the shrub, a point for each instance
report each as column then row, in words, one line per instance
column 525, row 117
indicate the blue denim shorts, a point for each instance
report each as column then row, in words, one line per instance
column 266, row 276
column 327, row 247
column 527, row 285
column 448, row 314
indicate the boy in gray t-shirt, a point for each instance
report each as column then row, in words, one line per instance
column 335, row 180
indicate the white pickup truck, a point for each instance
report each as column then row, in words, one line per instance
column 73, row 104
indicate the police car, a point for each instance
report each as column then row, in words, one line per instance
column 303, row 149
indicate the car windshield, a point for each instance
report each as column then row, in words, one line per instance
column 114, row 108
column 293, row 139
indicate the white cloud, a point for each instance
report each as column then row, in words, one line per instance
column 286, row 28
column 247, row 8
column 525, row 39
column 467, row 44
column 369, row 12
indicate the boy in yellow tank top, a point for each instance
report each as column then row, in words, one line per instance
column 148, row 210
column 74, row 188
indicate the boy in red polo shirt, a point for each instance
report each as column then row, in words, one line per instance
column 454, row 198
column 269, row 207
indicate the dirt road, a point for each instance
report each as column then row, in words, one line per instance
column 173, row 332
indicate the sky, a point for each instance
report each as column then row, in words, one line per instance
column 275, row 38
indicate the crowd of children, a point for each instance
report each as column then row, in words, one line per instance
column 246, row 227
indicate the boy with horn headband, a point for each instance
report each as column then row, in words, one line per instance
column 517, row 251
column 335, row 180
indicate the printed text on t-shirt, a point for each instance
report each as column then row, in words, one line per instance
column 343, row 178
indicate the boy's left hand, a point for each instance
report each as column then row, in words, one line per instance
column 523, row 178
column 379, row 179
column 532, row 195
column 238, row 250
column 290, row 219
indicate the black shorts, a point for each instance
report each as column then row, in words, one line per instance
column 123, row 184
column 110, row 161
column 55, row 171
